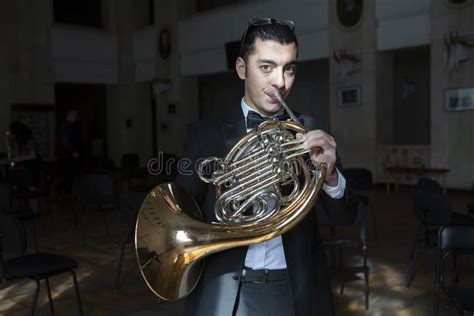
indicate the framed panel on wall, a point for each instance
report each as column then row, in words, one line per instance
column 459, row 99
column 349, row 97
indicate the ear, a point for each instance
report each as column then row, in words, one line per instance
column 240, row 67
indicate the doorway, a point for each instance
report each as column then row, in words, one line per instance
column 89, row 100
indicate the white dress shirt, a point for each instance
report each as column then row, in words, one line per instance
column 269, row 254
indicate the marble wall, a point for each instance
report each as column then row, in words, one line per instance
column 452, row 132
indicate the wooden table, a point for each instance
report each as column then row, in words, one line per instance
column 395, row 174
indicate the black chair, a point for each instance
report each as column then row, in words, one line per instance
column 432, row 210
column 361, row 181
column 23, row 212
column 134, row 202
column 37, row 266
column 344, row 272
column 101, row 196
column 454, row 240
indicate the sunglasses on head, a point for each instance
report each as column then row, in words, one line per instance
column 266, row 21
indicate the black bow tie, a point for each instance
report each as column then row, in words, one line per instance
column 254, row 119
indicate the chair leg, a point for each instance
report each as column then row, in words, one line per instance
column 366, row 279
column 74, row 216
column 418, row 229
column 78, row 296
column 366, row 276
column 341, row 290
column 457, row 264
column 83, row 226
column 106, row 224
column 415, row 254
column 35, row 236
column 50, row 298
column 119, row 267
column 374, row 222
column 436, row 300
column 35, row 298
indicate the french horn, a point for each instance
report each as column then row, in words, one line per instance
column 264, row 187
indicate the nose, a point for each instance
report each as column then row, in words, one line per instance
column 278, row 80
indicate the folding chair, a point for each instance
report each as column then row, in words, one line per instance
column 454, row 240
column 345, row 272
column 361, row 181
column 37, row 266
column 432, row 210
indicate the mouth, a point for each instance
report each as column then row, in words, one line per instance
column 272, row 99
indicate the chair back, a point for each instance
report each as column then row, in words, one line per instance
column 20, row 179
column 427, row 184
column 432, row 208
column 452, row 239
column 100, row 188
column 13, row 243
column 458, row 238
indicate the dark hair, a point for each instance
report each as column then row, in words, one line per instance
column 270, row 32
column 22, row 132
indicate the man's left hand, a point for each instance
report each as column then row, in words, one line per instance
column 323, row 150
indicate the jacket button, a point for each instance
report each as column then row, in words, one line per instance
column 235, row 277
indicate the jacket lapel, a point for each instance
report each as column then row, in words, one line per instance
column 233, row 132
column 234, row 127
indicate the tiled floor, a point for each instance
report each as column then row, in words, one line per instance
column 388, row 260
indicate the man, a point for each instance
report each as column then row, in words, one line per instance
column 70, row 149
column 286, row 275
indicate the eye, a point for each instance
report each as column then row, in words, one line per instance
column 265, row 68
column 291, row 70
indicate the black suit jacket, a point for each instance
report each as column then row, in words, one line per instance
column 306, row 263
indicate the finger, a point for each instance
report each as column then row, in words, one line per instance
column 317, row 139
column 328, row 157
column 320, row 142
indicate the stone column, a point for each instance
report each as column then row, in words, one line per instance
column 452, row 132
column 29, row 47
column 26, row 71
column 128, row 102
column 354, row 66
column 183, row 91
column 4, row 74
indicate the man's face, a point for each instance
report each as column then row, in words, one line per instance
column 270, row 68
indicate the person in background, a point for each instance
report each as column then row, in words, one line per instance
column 70, row 143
